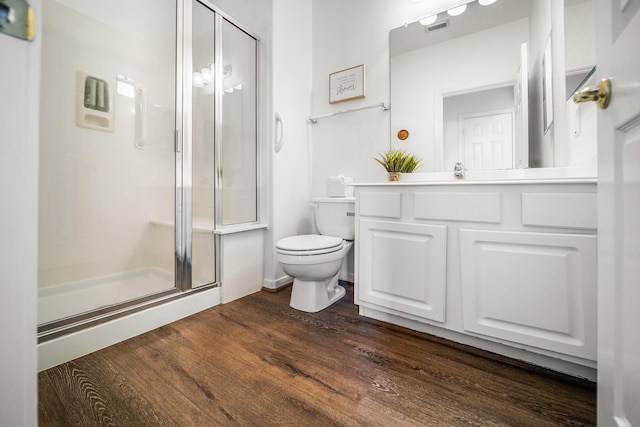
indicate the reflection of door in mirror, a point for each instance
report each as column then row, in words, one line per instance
column 486, row 141
column 474, row 127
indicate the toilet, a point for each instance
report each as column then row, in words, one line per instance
column 315, row 260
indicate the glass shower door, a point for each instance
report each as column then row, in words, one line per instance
column 107, row 157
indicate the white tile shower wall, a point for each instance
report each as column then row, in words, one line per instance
column 98, row 191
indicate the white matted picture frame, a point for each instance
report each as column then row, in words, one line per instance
column 346, row 84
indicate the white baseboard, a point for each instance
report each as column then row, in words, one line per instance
column 277, row 283
column 285, row 280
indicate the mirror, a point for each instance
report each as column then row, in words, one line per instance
column 489, row 87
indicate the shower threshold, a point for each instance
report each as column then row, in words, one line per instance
column 74, row 298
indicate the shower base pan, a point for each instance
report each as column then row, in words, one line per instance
column 70, row 299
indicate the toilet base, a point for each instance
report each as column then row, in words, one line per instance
column 313, row 296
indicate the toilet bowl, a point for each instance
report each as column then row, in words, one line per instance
column 315, row 260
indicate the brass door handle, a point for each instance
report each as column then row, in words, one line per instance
column 17, row 19
column 601, row 93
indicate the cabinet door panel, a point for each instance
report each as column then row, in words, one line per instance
column 536, row 289
column 403, row 267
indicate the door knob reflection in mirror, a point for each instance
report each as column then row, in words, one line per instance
column 601, row 93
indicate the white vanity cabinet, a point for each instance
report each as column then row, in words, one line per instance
column 512, row 264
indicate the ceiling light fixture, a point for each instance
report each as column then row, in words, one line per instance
column 486, row 2
column 459, row 10
column 428, row 20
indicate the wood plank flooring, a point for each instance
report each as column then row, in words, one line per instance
column 258, row 362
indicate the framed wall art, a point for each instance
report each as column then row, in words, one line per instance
column 346, row 84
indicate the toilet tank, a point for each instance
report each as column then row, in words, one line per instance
column 335, row 216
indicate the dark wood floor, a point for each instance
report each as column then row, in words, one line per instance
column 258, row 362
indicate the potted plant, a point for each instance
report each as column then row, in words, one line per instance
column 396, row 162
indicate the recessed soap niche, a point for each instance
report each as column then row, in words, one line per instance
column 94, row 105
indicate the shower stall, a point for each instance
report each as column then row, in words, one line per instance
column 148, row 151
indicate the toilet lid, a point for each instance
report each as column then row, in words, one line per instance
column 309, row 244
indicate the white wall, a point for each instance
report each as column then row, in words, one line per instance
column 19, row 85
column 291, row 166
column 347, row 34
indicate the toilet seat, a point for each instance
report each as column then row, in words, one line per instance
column 309, row 244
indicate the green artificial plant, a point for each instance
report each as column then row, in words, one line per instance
column 398, row 161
